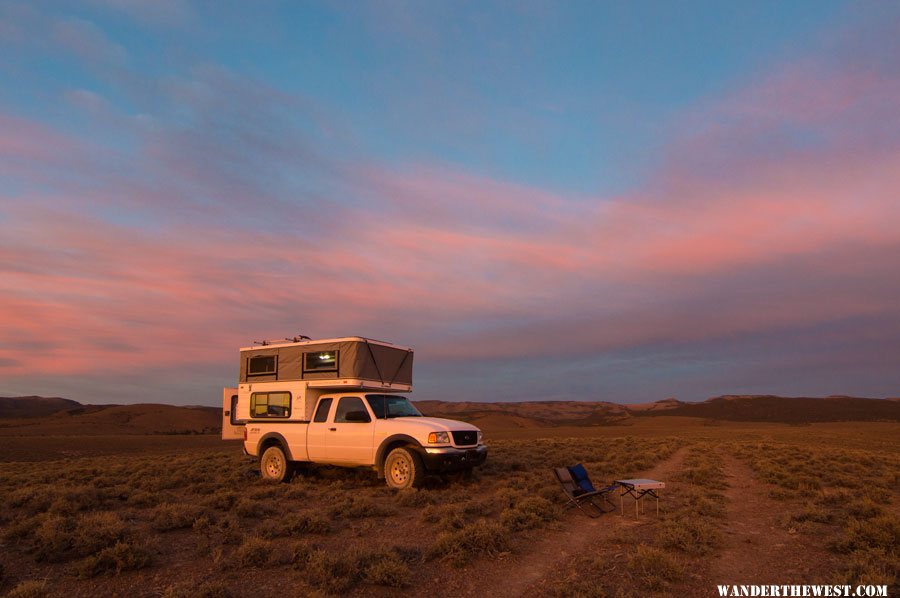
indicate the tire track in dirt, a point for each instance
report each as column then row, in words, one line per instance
column 523, row 574
column 756, row 549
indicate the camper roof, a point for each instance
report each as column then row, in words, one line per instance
column 289, row 343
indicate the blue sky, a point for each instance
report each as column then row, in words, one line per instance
column 682, row 200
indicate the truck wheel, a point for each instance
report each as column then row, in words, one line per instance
column 274, row 466
column 403, row 468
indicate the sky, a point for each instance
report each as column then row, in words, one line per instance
column 547, row 200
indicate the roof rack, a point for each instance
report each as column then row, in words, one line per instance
column 293, row 339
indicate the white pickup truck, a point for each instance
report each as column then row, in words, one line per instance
column 336, row 402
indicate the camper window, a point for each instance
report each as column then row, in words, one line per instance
column 261, row 365
column 321, row 361
column 270, row 404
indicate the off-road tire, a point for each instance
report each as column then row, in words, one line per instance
column 403, row 468
column 274, row 465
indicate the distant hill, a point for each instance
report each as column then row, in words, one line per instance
column 34, row 406
column 29, row 416
column 528, row 414
column 791, row 410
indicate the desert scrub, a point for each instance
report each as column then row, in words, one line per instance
column 294, row 524
column 142, row 498
column 689, row 534
column 32, row 499
column 414, row 498
column 32, row 588
column 222, row 500
column 168, row 516
column 331, row 572
column 586, row 577
column 881, row 531
column 248, row 508
column 706, row 504
column 254, row 552
column 654, row 568
column 63, row 538
column 529, row 513
column 384, row 568
column 872, row 566
column 123, row 556
column 207, row 589
column 479, row 539
column 703, row 468
column 445, row 517
column 73, row 499
column 357, row 507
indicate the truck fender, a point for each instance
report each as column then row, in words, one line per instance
column 382, row 452
column 268, row 437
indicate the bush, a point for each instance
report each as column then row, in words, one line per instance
column 882, row 531
column 124, row 556
column 872, row 566
column 688, row 534
column 254, row 552
column 333, row 573
column 386, row 569
column 294, row 524
column 168, row 516
column 357, row 507
column 72, row 500
column 655, row 568
column 32, row 588
column 529, row 513
column 254, row 508
column 207, row 589
column 63, row 538
column 482, row 538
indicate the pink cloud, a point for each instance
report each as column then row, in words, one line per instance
column 745, row 230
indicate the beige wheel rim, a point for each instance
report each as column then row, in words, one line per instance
column 274, row 465
column 400, row 470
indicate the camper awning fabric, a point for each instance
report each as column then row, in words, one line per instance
column 355, row 359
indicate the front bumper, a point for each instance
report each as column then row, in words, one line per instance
column 447, row 458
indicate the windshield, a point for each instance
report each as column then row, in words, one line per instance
column 388, row 406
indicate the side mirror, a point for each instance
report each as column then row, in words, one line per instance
column 361, row 417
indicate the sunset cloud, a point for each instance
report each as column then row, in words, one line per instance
column 235, row 210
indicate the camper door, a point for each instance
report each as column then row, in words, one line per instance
column 232, row 427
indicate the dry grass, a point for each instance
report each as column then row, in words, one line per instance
column 100, row 526
column 840, row 496
column 89, row 518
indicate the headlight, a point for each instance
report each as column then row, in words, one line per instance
column 439, row 438
column 480, row 437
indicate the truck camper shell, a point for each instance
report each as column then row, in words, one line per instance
column 333, row 402
column 331, row 363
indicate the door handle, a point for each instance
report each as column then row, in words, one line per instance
column 332, row 429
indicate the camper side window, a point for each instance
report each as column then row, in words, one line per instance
column 261, row 365
column 270, row 404
column 321, row 361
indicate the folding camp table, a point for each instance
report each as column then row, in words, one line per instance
column 637, row 489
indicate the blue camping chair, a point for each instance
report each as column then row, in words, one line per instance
column 578, row 488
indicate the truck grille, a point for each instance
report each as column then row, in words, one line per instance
column 465, row 438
